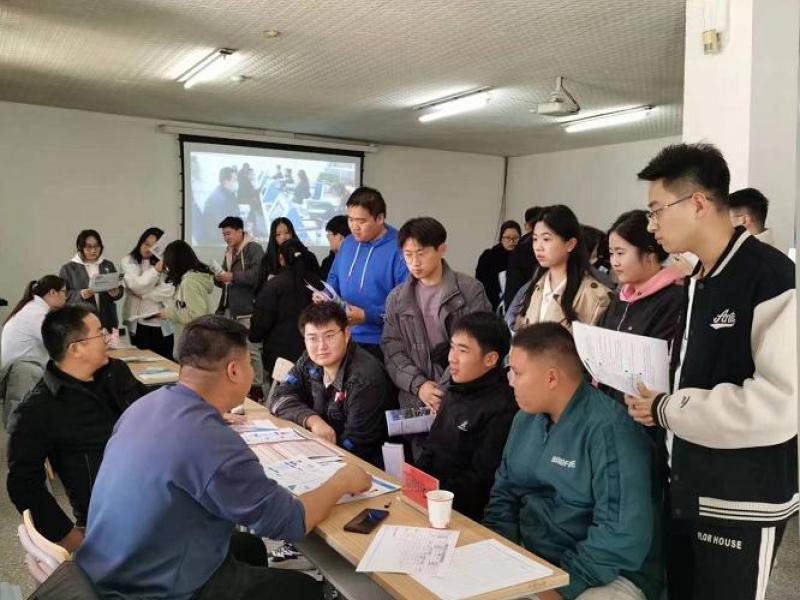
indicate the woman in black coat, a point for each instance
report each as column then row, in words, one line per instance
column 494, row 261
column 278, row 304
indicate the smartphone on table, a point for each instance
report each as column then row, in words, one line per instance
column 367, row 520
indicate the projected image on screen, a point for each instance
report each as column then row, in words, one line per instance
column 260, row 185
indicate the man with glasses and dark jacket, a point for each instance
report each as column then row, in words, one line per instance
column 337, row 389
column 67, row 419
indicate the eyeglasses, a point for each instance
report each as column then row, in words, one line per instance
column 510, row 238
column 103, row 334
column 328, row 338
column 655, row 215
column 92, row 247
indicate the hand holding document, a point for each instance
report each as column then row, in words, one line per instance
column 328, row 294
column 158, row 248
column 413, row 550
column 623, row 360
column 104, row 282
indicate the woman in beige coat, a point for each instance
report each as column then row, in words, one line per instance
column 562, row 290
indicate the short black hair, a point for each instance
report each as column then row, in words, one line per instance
column 369, row 199
column 426, row 231
column 338, row 225
column 226, row 173
column 486, row 328
column 532, row 214
column 84, row 236
column 700, row 164
column 322, row 313
column 63, row 327
column 753, row 202
column 551, row 339
column 233, row 222
column 208, row 340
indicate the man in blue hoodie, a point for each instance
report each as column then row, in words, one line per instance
column 367, row 267
column 574, row 484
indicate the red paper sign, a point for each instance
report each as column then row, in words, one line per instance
column 415, row 484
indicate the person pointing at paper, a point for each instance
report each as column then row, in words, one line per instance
column 176, row 480
column 82, row 269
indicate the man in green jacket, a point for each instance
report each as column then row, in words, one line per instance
column 574, row 486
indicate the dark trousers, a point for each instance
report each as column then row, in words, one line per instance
column 151, row 338
column 717, row 562
column 244, row 576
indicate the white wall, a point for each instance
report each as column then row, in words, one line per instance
column 64, row 170
column 598, row 183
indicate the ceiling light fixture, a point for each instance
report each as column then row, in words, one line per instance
column 454, row 105
column 620, row 117
column 211, row 67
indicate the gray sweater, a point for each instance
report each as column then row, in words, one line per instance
column 77, row 278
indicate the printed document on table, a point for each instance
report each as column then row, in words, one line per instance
column 462, row 580
column 622, row 360
column 103, row 282
column 270, row 436
column 300, row 475
column 417, row 550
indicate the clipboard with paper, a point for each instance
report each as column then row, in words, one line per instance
column 623, row 360
column 104, row 282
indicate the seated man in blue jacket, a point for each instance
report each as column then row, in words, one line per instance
column 574, row 485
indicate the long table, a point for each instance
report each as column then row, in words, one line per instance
column 353, row 546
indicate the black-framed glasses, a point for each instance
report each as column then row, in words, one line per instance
column 655, row 215
column 103, row 334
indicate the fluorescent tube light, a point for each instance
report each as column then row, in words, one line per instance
column 455, row 105
column 620, row 117
column 211, row 67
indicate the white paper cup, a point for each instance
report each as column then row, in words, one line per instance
column 440, row 506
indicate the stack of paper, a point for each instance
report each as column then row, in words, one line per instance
column 412, row 550
column 405, row 421
column 461, row 579
column 141, row 358
column 158, row 375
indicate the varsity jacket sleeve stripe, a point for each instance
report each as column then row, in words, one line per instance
column 762, row 411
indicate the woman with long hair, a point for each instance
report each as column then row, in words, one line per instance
column 148, row 293
column 22, row 330
column 78, row 274
column 279, row 303
column 193, row 283
column 493, row 263
column 281, row 230
column 562, row 289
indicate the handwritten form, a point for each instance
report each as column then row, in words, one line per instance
column 461, row 579
column 622, row 360
column 417, row 550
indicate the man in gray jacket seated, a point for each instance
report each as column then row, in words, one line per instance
column 420, row 314
column 337, row 389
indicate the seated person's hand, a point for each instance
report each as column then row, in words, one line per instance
column 431, row 395
column 355, row 479
column 355, row 315
column 87, row 293
column 640, row 408
column 318, row 426
column 234, row 419
column 224, row 277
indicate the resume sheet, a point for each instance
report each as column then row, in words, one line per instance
column 417, row 550
column 623, row 360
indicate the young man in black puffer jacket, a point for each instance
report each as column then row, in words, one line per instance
column 466, row 441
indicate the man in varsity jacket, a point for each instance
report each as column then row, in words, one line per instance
column 731, row 420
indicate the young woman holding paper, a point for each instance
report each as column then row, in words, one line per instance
column 563, row 289
column 79, row 272
column 148, row 293
column 193, row 282
column 650, row 296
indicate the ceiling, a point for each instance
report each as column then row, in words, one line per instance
column 356, row 68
